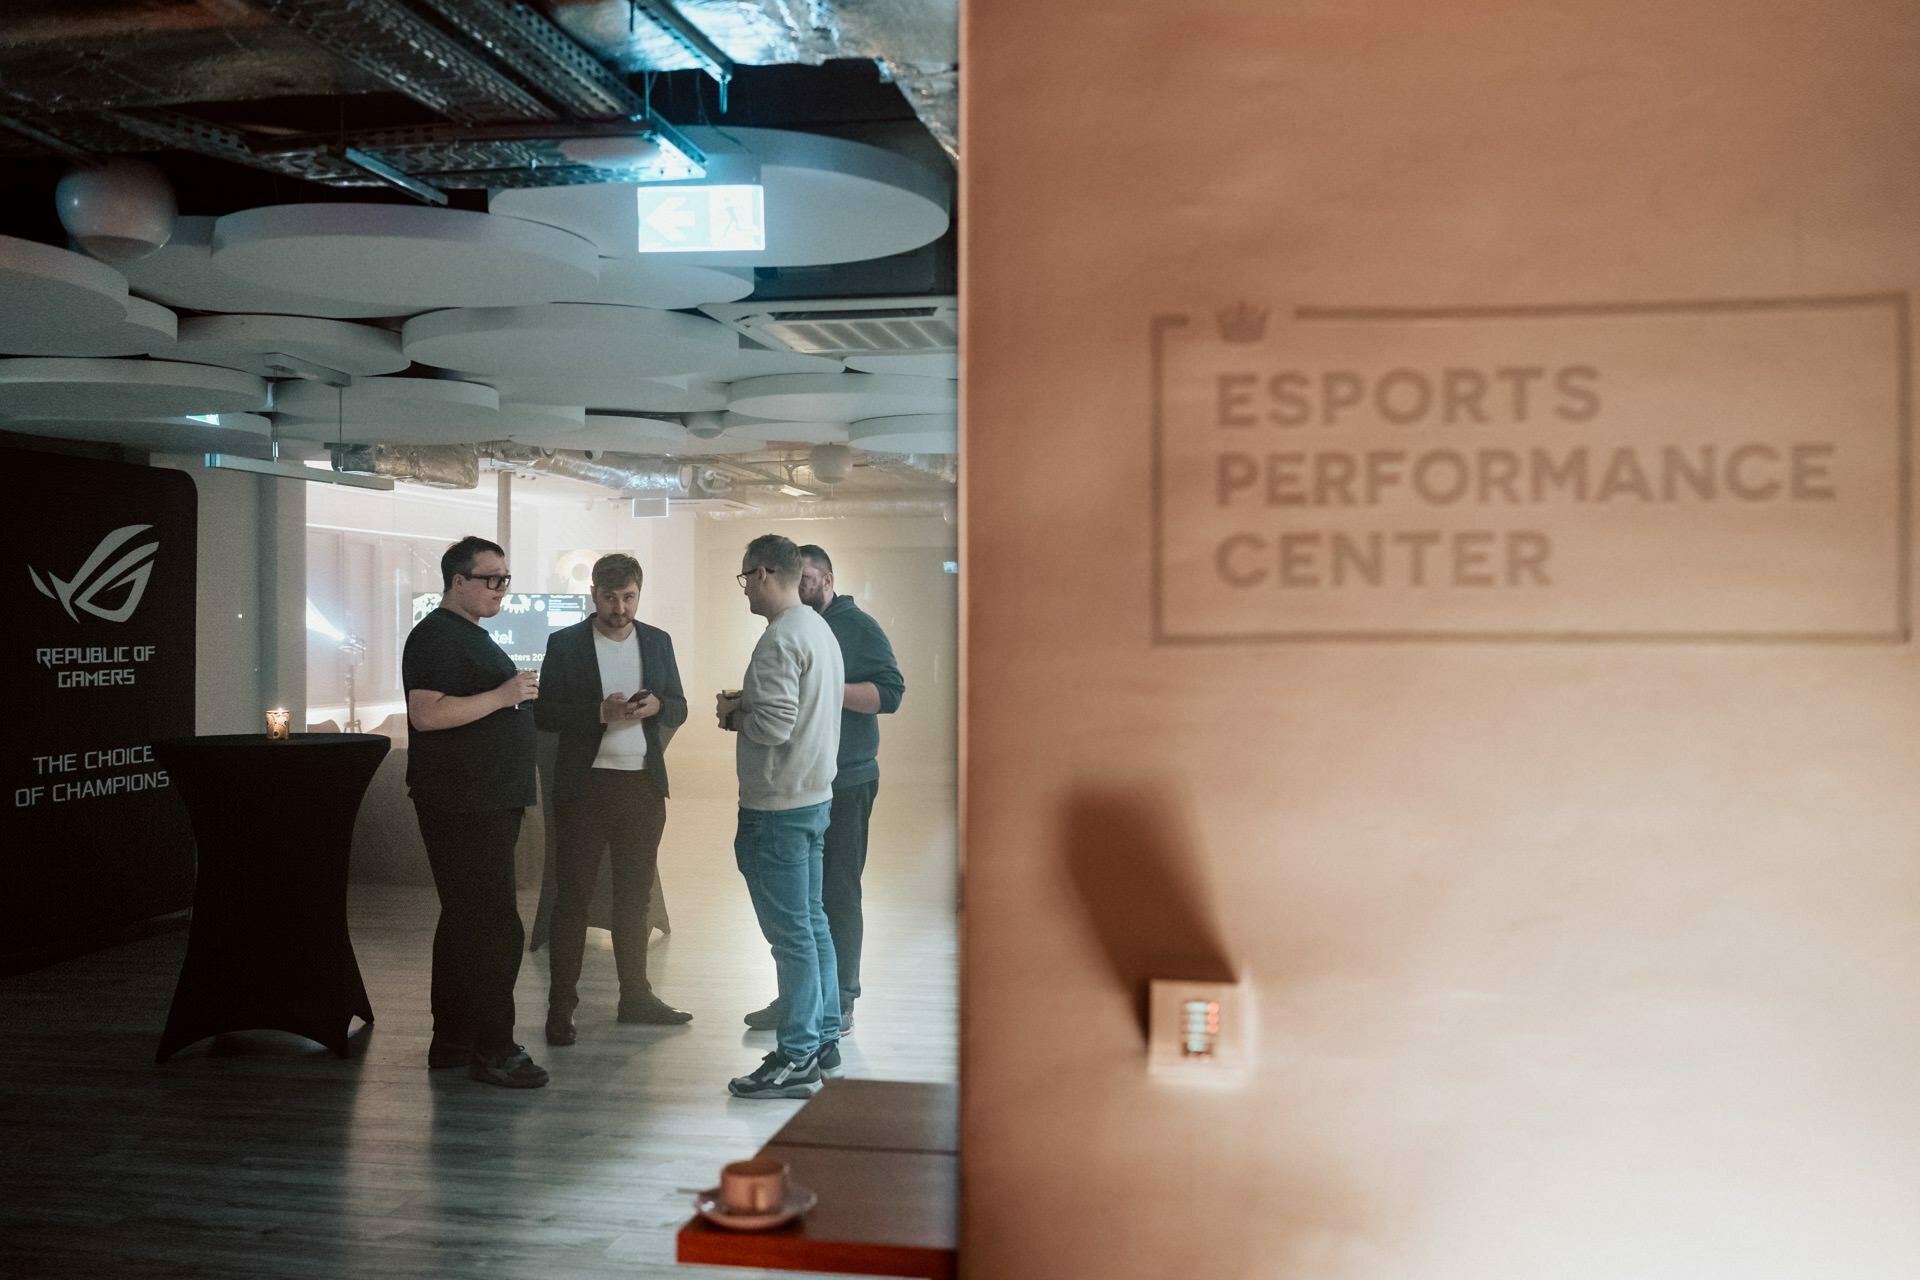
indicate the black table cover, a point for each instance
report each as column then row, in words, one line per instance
column 273, row 822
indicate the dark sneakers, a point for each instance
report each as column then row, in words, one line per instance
column 768, row 1019
column 651, row 1009
column 560, row 1026
column 442, row 1054
column 778, row 1078
column 829, row 1060
column 509, row 1067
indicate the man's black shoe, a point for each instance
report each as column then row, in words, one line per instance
column 777, row 1077
column 652, row 1010
column 768, row 1018
column 560, row 1028
column 829, row 1060
column 509, row 1068
column 442, row 1054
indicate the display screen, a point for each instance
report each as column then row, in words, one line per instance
column 523, row 623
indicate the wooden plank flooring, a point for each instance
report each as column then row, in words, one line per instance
column 263, row 1155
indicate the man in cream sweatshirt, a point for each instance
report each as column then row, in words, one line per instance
column 787, row 713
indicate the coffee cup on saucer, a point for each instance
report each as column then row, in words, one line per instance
column 756, row 1186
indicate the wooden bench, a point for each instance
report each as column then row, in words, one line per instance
column 884, row 1157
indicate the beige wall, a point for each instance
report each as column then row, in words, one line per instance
column 1586, row 959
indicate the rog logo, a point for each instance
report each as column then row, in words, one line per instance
column 131, row 571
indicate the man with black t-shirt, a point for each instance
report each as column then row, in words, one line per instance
column 470, row 773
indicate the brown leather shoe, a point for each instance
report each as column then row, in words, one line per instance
column 560, row 1026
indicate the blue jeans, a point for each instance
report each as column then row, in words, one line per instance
column 779, row 852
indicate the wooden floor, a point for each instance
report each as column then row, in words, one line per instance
column 262, row 1155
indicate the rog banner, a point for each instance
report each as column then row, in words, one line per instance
column 100, row 655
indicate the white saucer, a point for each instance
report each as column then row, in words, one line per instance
column 799, row 1200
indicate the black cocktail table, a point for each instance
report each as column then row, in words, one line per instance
column 273, row 822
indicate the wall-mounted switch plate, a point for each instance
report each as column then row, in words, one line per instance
column 1198, row 1028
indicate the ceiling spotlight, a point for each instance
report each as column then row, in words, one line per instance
column 120, row 210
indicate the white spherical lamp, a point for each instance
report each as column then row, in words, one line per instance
column 830, row 462
column 120, row 210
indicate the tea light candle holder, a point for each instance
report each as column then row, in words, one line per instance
column 279, row 727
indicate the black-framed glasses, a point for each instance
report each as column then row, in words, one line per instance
column 494, row 581
column 741, row 578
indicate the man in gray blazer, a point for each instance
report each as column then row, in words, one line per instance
column 611, row 690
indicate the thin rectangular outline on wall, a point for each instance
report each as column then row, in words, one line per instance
column 1900, row 633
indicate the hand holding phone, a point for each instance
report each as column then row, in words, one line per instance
column 640, row 695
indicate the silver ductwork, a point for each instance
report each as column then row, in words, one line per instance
column 842, row 508
column 439, row 466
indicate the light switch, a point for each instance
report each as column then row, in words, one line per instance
column 1198, row 1029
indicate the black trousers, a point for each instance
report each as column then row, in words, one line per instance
column 844, row 861
column 619, row 813
column 476, row 947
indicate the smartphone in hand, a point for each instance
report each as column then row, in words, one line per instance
column 639, row 696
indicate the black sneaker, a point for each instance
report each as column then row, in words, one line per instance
column 509, row 1068
column 650, row 1009
column 766, row 1019
column 829, row 1060
column 778, row 1078
column 442, row 1054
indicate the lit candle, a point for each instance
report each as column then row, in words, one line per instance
column 277, row 724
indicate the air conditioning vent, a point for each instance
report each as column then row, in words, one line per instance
column 847, row 327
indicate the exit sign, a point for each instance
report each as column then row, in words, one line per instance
column 701, row 219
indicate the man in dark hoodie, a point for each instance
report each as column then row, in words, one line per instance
column 874, row 688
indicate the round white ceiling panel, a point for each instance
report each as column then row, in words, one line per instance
column 403, row 258
column 658, row 280
column 249, row 342
column 739, row 424
column 389, row 411
column 51, row 298
column 840, row 397
column 85, row 388
column 825, row 200
column 628, row 433
column 227, row 433
column 750, row 361
column 564, row 338
column 181, row 274
column 926, row 365
column 604, row 390
column 550, row 426
column 912, row 433
column 146, row 330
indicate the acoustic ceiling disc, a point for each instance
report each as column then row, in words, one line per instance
column 564, row 338
column 840, row 397
column 147, row 329
column 549, row 426
column 917, row 365
column 389, row 411
column 227, row 432
column 181, row 274
column 739, row 424
column 609, row 390
column 45, row 387
column 628, row 433
column 750, row 360
column 911, row 433
column 403, row 258
column 51, row 298
column 660, row 281
column 248, row 342
column 825, row 199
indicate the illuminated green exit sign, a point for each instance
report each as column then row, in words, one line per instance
column 701, row 219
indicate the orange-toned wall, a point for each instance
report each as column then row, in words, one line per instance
column 1581, row 959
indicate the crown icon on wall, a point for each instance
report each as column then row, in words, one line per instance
column 1242, row 322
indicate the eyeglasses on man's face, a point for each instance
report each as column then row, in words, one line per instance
column 493, row 581
column 741, row 578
